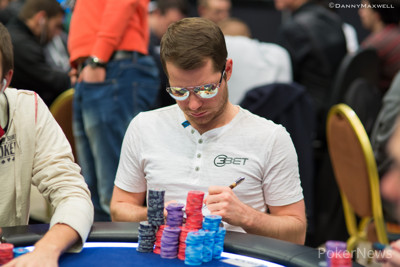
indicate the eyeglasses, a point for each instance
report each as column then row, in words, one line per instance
column 204, row 91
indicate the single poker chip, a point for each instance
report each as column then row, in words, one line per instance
column 20, row 251
column 175, row 206
column 332, row 245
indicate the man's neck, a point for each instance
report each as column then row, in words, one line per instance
column 223, row 119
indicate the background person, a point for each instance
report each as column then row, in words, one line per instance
column 163, row 13
column 108, row 42
column 390, row 190
column 37, row 23
column 383, row 22
column 38, row 154
column 214, row 10
column 256, row 63
column 382, row 131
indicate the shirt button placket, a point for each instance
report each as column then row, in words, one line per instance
column 200, row 141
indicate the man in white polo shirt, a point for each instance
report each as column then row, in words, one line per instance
column 205, row 143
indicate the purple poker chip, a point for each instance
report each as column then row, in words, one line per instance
column 175, row 206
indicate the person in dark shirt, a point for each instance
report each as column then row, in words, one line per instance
column 37, row 23
column 382, row 18
column 390, row 185
column 161, row 14
column 314, row 38
column 315, row 57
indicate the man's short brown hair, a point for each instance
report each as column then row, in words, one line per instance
column 31, row 7
column 6, row 50
column 188, row 43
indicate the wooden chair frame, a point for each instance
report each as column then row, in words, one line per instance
column 58, row 109
column 358, row 232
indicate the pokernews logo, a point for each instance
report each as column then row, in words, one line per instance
column 359, row 253
column 222, row 160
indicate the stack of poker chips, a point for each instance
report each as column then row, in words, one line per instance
column 210, row 226
column 175, row 214
column 194, row 205
column 155, row 207
column 194, row 248
column 157, row 244
column 182, row 242
column 6, row 253
column 334, row 247
column 208, row 245
column 147, row 237
column 219, row 243
column 170, row 242
column 341, row 259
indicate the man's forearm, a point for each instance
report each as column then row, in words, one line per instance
column 58, row 239
column 288, row 228
column 125, row 212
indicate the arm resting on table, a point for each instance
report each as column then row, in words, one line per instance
column 127, row 207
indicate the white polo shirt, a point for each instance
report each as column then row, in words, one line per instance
column 159, row 151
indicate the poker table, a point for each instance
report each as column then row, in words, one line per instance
column 114, row 244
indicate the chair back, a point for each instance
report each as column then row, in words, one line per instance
column 61, row 109
column 355, row 171
column 363, row 63
column 366, row 101
column 289, row 104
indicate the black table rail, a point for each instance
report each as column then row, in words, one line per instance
column 260, row 247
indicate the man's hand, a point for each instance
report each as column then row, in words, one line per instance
column 35, row 258
column 73, row 76
column 286, row 222
column 48, row 249
column 92, row 75
column 222, row 201
column 390, row 257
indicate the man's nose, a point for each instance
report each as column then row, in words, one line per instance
column 194, row 101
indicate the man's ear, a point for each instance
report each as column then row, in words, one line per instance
column 40, row 17
column 228, row 68
column 8, row 77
